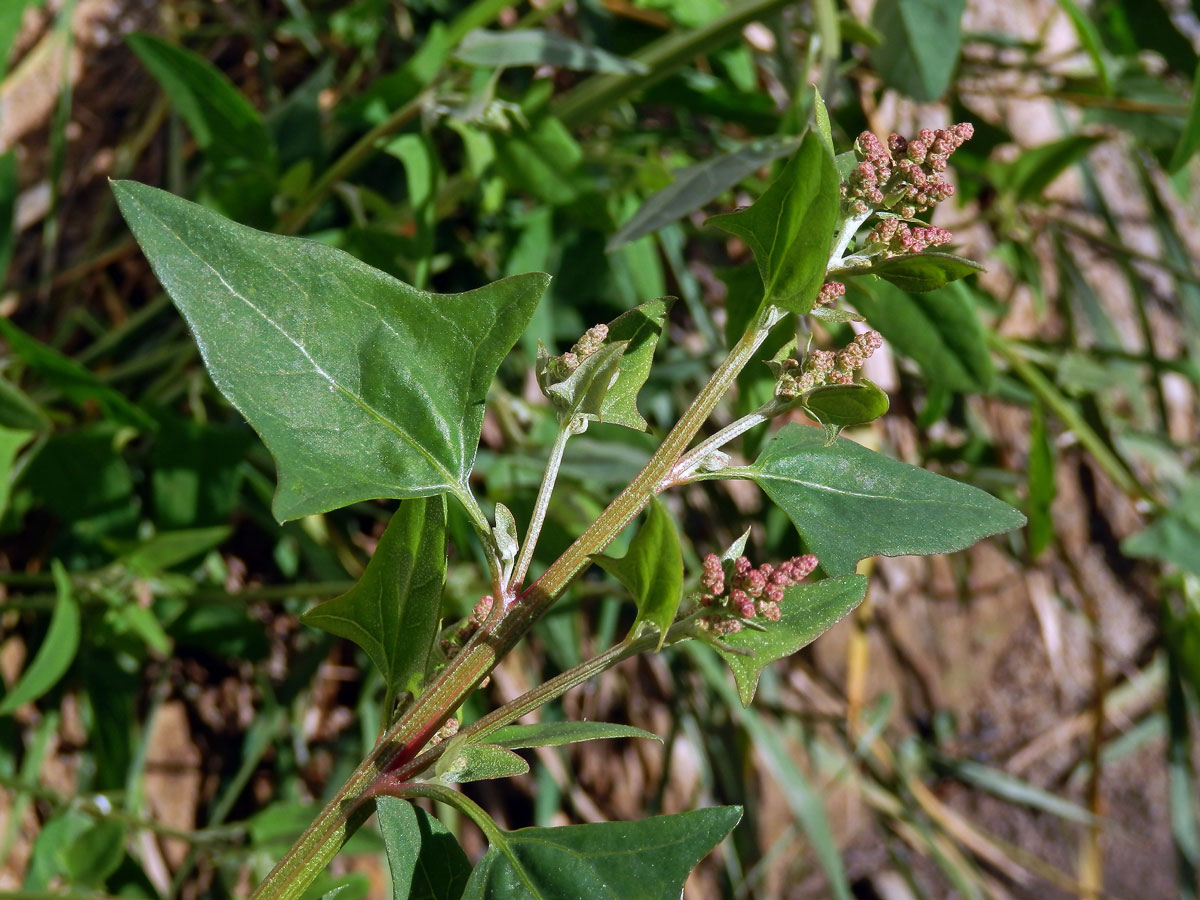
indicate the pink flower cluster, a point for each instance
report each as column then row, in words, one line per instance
column 894, row 237
column 823, row 367
column 478, row 616
column 751, row 591
column 829, row 293
column 904, row 175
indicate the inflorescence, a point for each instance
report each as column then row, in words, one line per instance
column 822, row 367
column 561, row 367
column 904, row 176
column 749, row 592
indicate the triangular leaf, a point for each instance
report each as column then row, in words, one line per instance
column 849, row 502
column 392, row 613
column 424, row 859
column 790, row 227
column 652, row 570
column 639, row 328
column 646, row 860
column 555, row 734
column 361, row 386
column 809, row 610
column 919, row 272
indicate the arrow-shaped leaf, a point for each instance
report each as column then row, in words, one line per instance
column 360, row 385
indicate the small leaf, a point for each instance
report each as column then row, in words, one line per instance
column 839, row 406
column 920, row 272
column 479, row 762
column 170, row 548
column 224, row 123
column 652, row 570
column 835, row 314
column 821, row 117
column 939, row 330
column 698, row 184
column 849, row 502
column 1189, row 141
column 361, row 386
column 75, row 382
column 556, row 734
column 11, row 442
column 57, row 650
column 392, row 613
column 507, row 541
column 1042, row 488
column 584, row 391
column 1174, row 537
column 1027, row 176
column 790, row 227
column 809, row 610
column 537, row 47
column 646, row 860
column 95, row 854
column 921, row 42
column 639, row 328
column 424, row 859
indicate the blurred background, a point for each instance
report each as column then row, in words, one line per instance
column 1015, row 721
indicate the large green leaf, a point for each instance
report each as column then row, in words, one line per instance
column 698, row 184
column 538, row 47
column 652, row 570
column 361, row 386
column 849, row 502
column 424, row 859
column 809, row 610
column 56, row 652
column 393, row 611
column 939, row 330
column 921, row 41
column 790, row 227
column 646, row 860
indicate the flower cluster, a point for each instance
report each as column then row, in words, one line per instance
column 905, row 176
column 829, row 293
column 478, row 616
column 821, row 367
column 750, row 592
column 560, row 367
column 893, row 237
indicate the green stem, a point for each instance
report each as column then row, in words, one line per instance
column 450, row 797
column 540, row 506
column 690, row 461
column 402, row 742
column 845, row 236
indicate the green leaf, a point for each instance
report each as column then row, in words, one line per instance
column 18, row 411
column 478, row 762
column 95, row 854
column 1189, row 141
column 542, row 160
column 652, row 570
column 821, row 117
column 361, row 386
column 921, row 42
column 809, row 610
column 1027, row 176
column 392, row 613
column 224, row 123
column 424, row 859
column 698, row 184
column 839, row 406
column 583, row 392
column 1173, row 537
column 75, row 382
column 57, row 650
column 790, row 227
column 639, row 328
column 920, row 272
column 170, row 548
column 646, row 860
column 556, row 734
column 1042, row 488
column 939, row 330
column 9, row 186
column 1090, row 40
column 11, row 442
column 849, row 502
column 537, row 47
